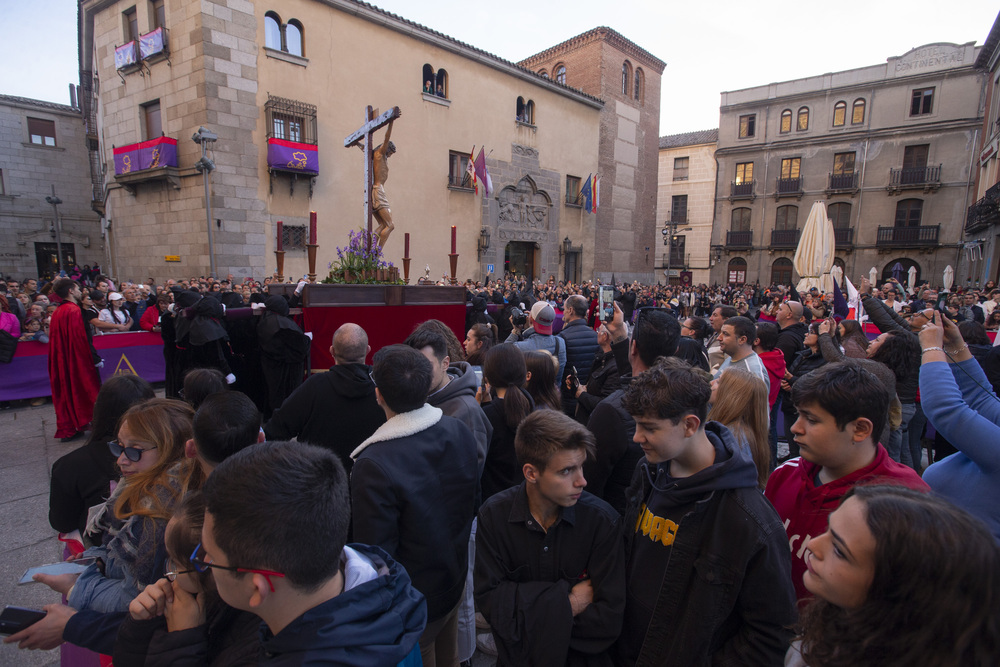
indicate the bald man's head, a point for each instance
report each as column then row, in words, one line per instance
column 789, row 313
column 350, row 344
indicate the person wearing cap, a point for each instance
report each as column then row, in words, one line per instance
column 540, row 321
column 115, row 314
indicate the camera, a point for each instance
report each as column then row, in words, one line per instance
column 517, row 317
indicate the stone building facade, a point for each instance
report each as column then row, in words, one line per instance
column 887, row 148
column 603, row 63
column 303, row 72
column 982, row 226
column 685, row 206
column 42, row 145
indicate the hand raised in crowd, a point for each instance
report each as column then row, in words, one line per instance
column 616, row 327
column 864, row 286
column 184, row 611
column 827, row 325
column 152, row 601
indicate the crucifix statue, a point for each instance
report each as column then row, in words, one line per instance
column 376, row 168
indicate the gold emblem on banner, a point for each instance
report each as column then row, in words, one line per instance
column 124, row 367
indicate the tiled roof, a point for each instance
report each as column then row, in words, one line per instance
column 41, row 104
column 990, row 46
column 600, row 32
column 690, row 138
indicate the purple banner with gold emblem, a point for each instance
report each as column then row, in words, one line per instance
column 125, row 55
column 152, row 154
column 292, row 156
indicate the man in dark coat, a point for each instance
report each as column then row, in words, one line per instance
column 337, row 409
column 413, row 493
column 581, row 346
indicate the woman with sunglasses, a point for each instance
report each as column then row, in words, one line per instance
column 181, row 619
column 131, row 523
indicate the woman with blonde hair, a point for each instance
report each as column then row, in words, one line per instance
column 129, row 527
column 739, row 402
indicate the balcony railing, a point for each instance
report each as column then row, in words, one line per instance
column 984, row 212
column 743, row 190
column 789, row 187
column 914, row 177
column 844, row 181
column 912, row 237
column 461, row 181
column 844, row 236
column 739, row 239
column 785, row 238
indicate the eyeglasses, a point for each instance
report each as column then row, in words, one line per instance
column 201, row 565
column 171, row 574
column 131, row 453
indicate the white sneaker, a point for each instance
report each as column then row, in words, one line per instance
column 486, row 643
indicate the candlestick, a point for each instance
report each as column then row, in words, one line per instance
column 311, row 251
column 279, row 256
column 453, row 261
column 312, row 227
column 406, row 244
column 453, row 237
column 279, row 245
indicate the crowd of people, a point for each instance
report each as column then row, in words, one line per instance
column 569, row 484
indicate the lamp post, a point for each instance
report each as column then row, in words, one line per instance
column 55, row 201
column 669, row 232
column 206, row 167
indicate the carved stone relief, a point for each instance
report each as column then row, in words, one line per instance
column 524, row 207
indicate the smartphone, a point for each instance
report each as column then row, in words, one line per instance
column 66, row 567
column 15, row 619
column 576, row 377
column 605, row 298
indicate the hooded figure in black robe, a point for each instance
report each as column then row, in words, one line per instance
column 283, row 351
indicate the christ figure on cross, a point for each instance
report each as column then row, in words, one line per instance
column 380, row 203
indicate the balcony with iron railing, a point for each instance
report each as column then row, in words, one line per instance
column 744, row 190
column 785, row 238
column 788, row 187
column 910, row 178
column 985, row 212
column 843, row 183
column 843, row 237
column 739, row 239
column 908, row 237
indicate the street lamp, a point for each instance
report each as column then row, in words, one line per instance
column 55, row 201
column 206, row 167
column 669, row 231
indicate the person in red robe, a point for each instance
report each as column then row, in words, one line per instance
column 72, row 364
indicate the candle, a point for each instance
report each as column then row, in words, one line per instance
column 280, row 245
column 312, row 227
column 406, row 244
column 453, row 251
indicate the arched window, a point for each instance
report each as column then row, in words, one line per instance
column 427, row 79
column 902, row 271
column 803, row 120
column 542, row 73
column 840, row 215
column 737, row 271
column 839, row 113
column 525, row 111
column 441, row 84
column 908, row 212
column 786, row 217
column 640, row 84
column 740, row 220
column 293, row 37
column 858, row 114
column 272, row 31
column 781, row 271
column 843, row 272
column 786, row 121
column 626, row 78
column 561, row 74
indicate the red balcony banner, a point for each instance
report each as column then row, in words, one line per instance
column 125, row 55
column 152, row 154
column 292, row 156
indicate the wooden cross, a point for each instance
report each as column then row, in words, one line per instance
column 363, row 139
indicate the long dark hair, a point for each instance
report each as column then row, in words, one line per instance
column 935, row 596
column 117, row 395
column 484, row 334
column 854, row 331
column 901, row 353
column 542, row 384
column 504, row 368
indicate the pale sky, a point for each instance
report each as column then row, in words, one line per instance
column 709, row 46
